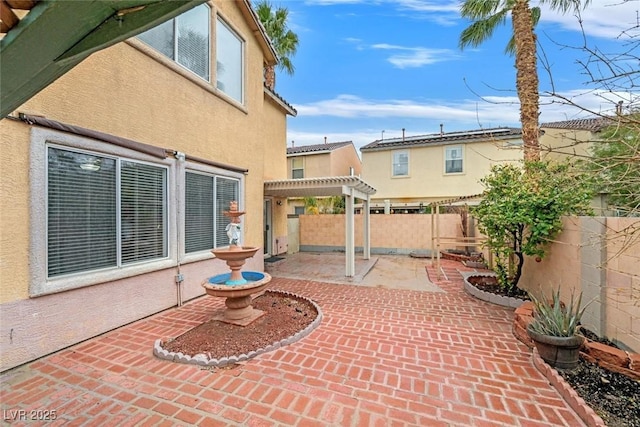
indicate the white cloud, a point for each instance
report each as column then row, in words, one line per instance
column 606, row 19
column 426, row 117
column 413, row 57
column 438, row 6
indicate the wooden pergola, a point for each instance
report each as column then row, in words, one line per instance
column 437, row 241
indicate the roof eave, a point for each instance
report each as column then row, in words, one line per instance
column 270, row 54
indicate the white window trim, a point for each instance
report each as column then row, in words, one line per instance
column 41, row 139
column 187, row 166
column 393, row 157
column 444, row 162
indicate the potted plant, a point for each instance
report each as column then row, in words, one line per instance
column 555, row 330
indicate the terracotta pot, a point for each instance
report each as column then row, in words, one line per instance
column 558, row 352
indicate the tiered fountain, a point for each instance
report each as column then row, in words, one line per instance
column 238, row 285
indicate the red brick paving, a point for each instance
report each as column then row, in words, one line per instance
column 380, row 357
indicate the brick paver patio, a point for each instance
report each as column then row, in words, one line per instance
column 380, row 357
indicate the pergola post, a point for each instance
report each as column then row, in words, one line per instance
column 350, row 250
column 366, row 228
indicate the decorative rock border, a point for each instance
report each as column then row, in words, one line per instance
column 584, row 411
column 203, row 360
column 488, row 296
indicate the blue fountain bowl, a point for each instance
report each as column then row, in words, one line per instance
column 247, row 277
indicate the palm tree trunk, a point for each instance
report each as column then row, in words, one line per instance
column 270, row 77
column 526, row 77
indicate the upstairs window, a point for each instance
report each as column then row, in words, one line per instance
column 400, row 163
column 453, row 159
column 229, row 62
column 297, row 168
column 185, row 39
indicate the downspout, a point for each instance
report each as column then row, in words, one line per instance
column 180, row 157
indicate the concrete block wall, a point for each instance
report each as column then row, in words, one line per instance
column 397, row 233
column 599, row 257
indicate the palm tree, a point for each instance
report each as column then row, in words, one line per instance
column 486, row 16
column 284, row 41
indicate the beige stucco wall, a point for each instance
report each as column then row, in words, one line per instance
column 558, row 144
column 427, row 181
column 342, row 159
column 147, row 98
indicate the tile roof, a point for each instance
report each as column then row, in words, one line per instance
column 317, row 147
column 280, row 100
column 594, row 124
column 439, row 138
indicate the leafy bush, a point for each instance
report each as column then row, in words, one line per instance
column 521, row 212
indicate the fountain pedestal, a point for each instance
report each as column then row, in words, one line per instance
column 236, row 286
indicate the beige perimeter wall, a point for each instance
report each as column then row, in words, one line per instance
column 396, row 233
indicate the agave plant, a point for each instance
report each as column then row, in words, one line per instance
column 552, row 317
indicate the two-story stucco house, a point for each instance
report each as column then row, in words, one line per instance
column 321, row 160
column 115, row 178
column 413, row 171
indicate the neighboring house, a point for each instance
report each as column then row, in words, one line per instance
column 321, row 160
column 116, row 176
column 411, row 172
column 571, row 138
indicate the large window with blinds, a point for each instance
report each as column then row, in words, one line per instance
column 185, row 39
column 207, row 197
column 103, row 212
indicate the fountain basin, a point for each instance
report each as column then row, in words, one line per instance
column 249, row 280
column 235, row 253
column 238, row 295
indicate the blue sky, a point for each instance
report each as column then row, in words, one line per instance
column 367, row 66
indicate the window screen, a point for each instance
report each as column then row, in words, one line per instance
column 90, row 198
column 229, row 64
column 207, row 197
column 184, row 39
column 453, row 159
column 400, row 163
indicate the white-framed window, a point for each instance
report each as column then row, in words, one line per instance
column 98, row 212
column 229, row 61
column 103, row 212
column 400, row 165
column 186, row 39
column 297, row 168
column 453, row 159
column 207, row 196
